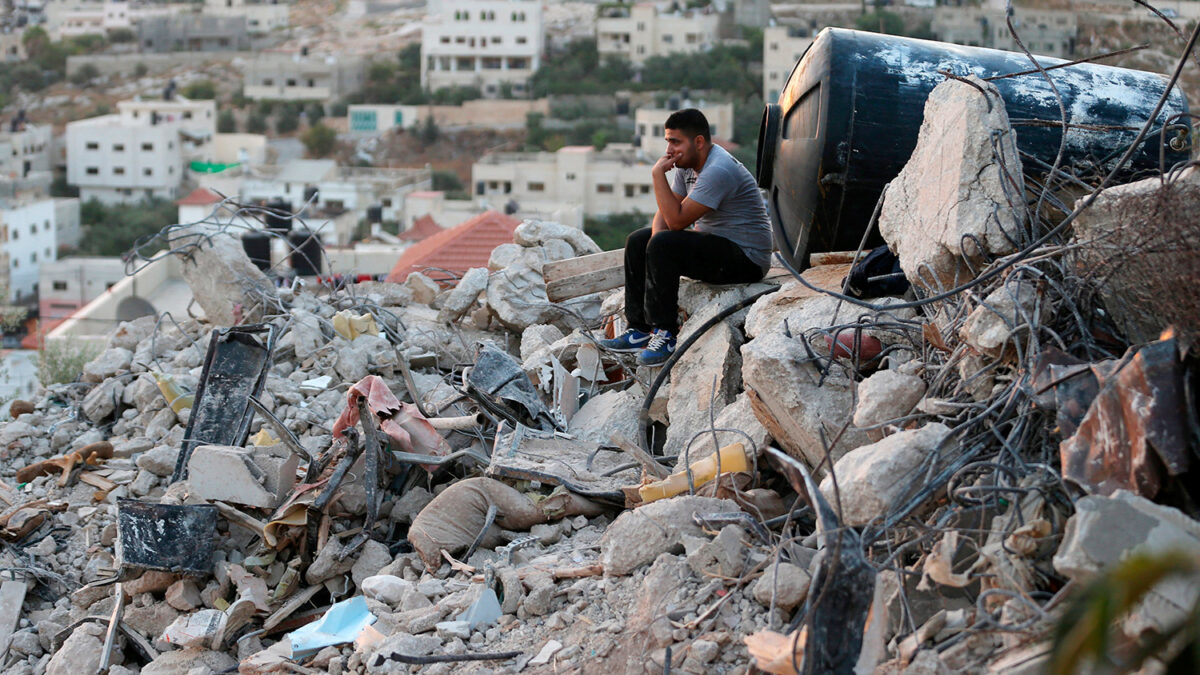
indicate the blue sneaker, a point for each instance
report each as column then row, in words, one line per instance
column 660, row 348
column 632, row 340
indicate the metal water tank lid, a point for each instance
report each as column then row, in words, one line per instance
column 848, row 118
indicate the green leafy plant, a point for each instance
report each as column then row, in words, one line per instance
column 1085, row 639
column 62, row 360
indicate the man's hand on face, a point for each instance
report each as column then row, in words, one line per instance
column 665, row 163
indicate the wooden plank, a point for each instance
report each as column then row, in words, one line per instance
column 583, row 284
column 12, row 597
column 641, row 457
column 571, row 267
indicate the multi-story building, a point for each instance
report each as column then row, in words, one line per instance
column 600, row 182
column 782, row 48
column 68, row 284
column 1043, row 32
column 648, row 122
column 302, row 76
column 639, row 32
column 482, row 43
column 193, row 33
column 139, row 152
column 29, row 232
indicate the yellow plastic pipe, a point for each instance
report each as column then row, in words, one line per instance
column 176, row 397
column 733, row 459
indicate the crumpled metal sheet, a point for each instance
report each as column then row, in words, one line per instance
column 499, row 384
column 1135, row 431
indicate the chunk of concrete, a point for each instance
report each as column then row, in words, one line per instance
column 108, row 363
column 1136, row 242
column 183, row 595
column 464, row 294
column 239, row 476
column 537, row 339
column 887, row 395
column 387, row 588
column 226, row 285
column 517, row 296
column 179, row 661
column 955, row 205
column 705, row 379
column 613, row 413
column 159, row 460
column 424, row 289
column 194, row 630
column 637, row 537
column 723, row 556
column 873, row 478
column 1005, row 315
column 101, row 402
column 1106, row 530
column 306, row 333
column 794, row 404
column 80, row 652
column 536, row 232
column 785, row 583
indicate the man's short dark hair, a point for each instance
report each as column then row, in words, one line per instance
column 691, row 122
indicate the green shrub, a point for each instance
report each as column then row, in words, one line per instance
column 62, row 360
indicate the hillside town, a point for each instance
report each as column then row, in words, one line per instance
column 382, row 336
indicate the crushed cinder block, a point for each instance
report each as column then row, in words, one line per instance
column 240, row 476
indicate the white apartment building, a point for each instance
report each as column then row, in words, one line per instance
column 782, row 48
column 114, row 161
column 1044, row 32
column 642, row 31
column 600, row 182
column 29, row 232
column 302, row 77
column 648, row 122
column 482, row 43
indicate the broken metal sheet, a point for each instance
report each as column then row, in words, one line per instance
column 1135, row 430
column 499, row 384
column 235, row 369
column 166, row 537
column 556, row 459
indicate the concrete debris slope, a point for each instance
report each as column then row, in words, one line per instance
column 450, row 476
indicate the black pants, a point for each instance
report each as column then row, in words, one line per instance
column 653, row 265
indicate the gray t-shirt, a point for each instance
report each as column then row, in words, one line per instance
column 738, row 212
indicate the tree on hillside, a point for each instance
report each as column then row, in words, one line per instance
column 319, row 140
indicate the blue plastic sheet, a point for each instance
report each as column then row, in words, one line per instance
column 341, row 624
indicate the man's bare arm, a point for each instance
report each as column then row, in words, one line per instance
column 677, row 212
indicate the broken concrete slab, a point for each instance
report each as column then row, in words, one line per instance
column 873, row 478
column 705, row 379
column 956, row 205
column 424, row 289
column 108, row 363
column 637, row 537
column 1106, row 530
column 240, row 476
column 228, row 287
column 517, row 297
column 464, row 294
column 784, row 584
column 612, row 413
column 794, row 404
column 537, row 232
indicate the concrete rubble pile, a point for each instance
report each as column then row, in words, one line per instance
column 451, row 477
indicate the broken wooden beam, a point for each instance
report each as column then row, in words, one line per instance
column 573, row 277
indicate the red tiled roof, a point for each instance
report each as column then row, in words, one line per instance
column 38, row 330
column 201, row 196
column 424, row 228
column 457, row 249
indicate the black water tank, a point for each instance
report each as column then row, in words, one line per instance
column 306, row 253
column 311, row 194
column 279, row 218
column 848, row 117
column 257, row 246
column 375, row 214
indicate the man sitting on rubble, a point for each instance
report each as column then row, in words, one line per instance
column 730, row 243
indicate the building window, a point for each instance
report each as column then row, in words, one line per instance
column 692, row 38
column 641, row 26
column 60, row 285
column 33, row 228
column 536, row 187
column 630, row 190
column 268, row 82
column 570, row 176
column 33, row 257
column 386, row 203
column 92, row 145
column 147, row 147
column 645, row 189
column 521, row 39
column 668, row 38
column 291, row 82
column 118, row 171
column 16, row 263
column 187, row 114
column 518, row 63
column 47, row 252
column 604, row 188
column 363, row 120
column 147, row 171
column 118, row 147
column 398, row 118
column 445, row 39
column 92, row 171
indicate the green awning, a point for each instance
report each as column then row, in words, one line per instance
column 211, row 167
